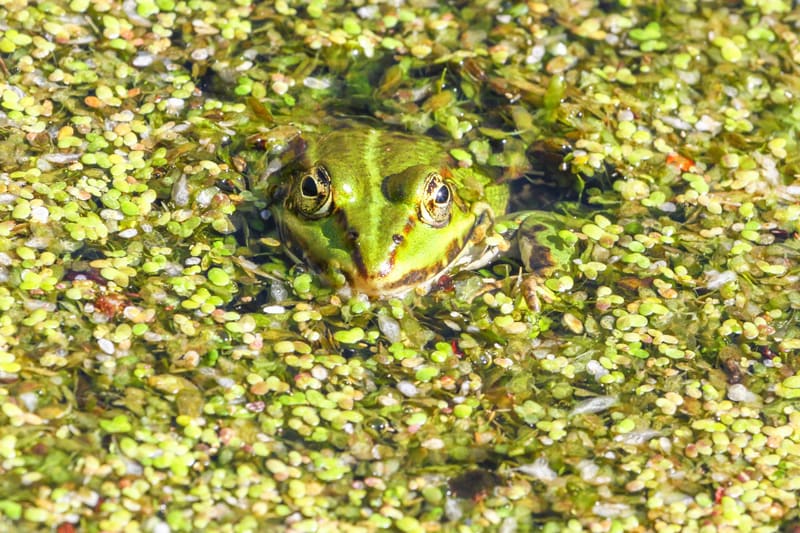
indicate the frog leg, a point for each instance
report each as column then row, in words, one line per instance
column 544, row 242
column 484, row 243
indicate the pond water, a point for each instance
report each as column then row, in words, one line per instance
column 165, row 366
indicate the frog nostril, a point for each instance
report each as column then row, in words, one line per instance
column 397, row 238
column 352, row 235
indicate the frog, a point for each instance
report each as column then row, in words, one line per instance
column 387, row 213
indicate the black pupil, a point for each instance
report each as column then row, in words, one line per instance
column 309, row 187
column 442, row 195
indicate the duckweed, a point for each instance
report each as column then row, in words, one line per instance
column 163, row 364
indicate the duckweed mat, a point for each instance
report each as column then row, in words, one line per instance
column 165, row 367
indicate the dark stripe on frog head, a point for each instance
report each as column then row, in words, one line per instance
column 358, row 258
column 454, row 250
column 340, row 217
column 415, row 277
column 398, row 240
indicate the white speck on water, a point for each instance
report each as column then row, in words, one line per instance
column 390, row 327
column 453, row 510
column 180, row 191
column 539, row 469
column 637, row 437
column 107, row 346
column 715, row 280
column 204, row 197
column 30, row 400
column 173, row 106
column 142, row 59
column 611, row 510
column 706, row 123
column 319, row 372
column 40, row 214
column 278, row 292
column 588, row 470
column 111, row 214
column 225, row 382
column 316, row 83
column 407, row 389
column 596, row 369
column 594, row 405
column 740, row 393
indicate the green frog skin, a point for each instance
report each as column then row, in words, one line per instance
column 387, row 212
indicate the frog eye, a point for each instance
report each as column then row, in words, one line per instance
column 437, row 199
column 312, row 196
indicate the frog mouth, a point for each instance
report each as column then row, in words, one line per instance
column 479, row 247
column 476, row 249
column 473, row 250
column 379, row 282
